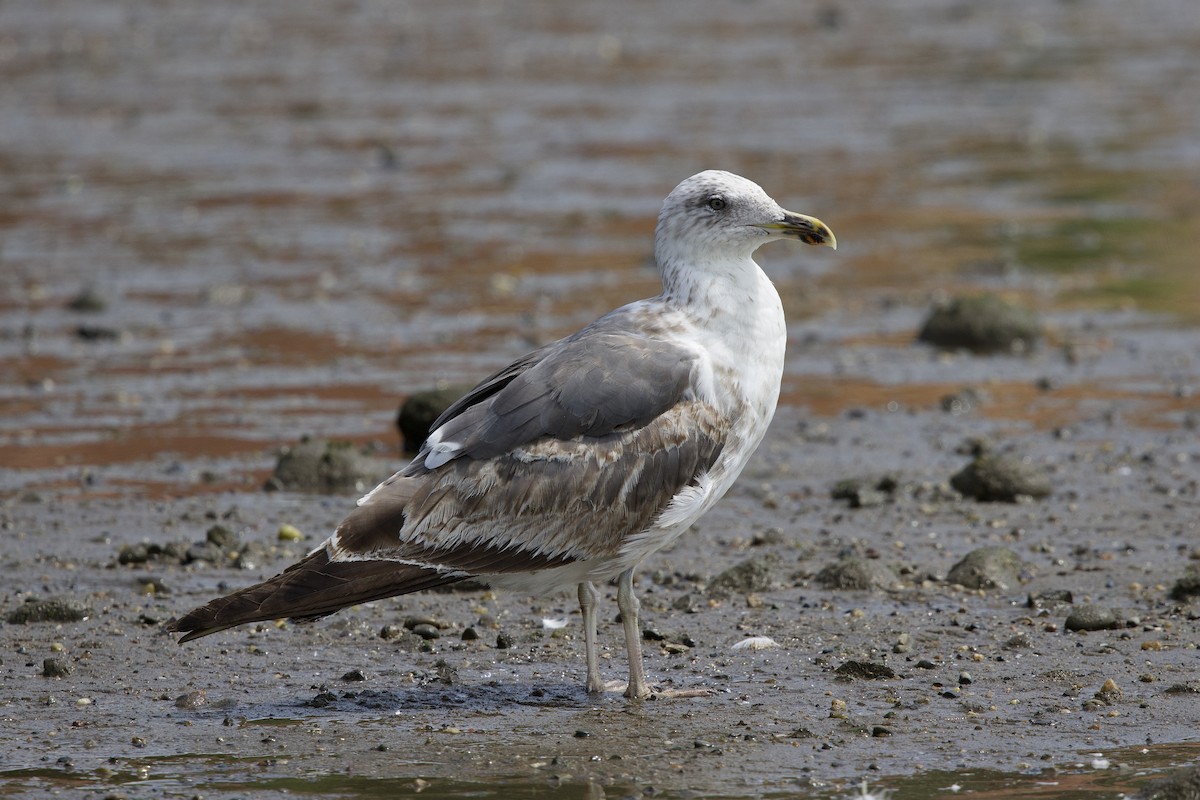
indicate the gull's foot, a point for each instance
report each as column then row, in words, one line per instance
column 651, row 693
column 605, row 687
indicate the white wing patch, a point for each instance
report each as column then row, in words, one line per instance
column 441, row 453
column 685, row 508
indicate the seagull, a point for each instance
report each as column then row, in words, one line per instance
column 574, row 463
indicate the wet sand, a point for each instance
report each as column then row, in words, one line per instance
column 293, row 216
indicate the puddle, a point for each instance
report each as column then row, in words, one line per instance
column 1113, row 774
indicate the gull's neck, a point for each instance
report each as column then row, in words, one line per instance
column 707, row 283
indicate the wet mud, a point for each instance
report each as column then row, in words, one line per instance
column 225, row 227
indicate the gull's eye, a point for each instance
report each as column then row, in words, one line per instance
column 716, row 203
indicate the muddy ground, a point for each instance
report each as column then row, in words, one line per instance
column 224, row 228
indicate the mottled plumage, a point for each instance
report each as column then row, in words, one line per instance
column 575, row 462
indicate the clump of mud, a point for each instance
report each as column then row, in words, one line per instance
column 418, row 413
column 994, row 478
column 324, row 467
column 982, row 324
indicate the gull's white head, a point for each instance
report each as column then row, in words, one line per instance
column 717, row 217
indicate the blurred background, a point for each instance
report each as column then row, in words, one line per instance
column 226, row 224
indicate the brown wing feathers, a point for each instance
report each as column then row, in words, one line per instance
column 312, row 588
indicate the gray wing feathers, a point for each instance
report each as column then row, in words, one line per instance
column 594, row 384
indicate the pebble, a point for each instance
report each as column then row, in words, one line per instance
column 990, row 567
column 55, row 668
column 858, row 494
column 88, row 301
column 1110, row 692
column 222, row 537
column 426, row 631
column 191, row 700
column 289, row 533
column 1050, row 598
column 838, row 709
column 1090, row 617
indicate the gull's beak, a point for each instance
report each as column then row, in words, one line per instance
column 809, row 230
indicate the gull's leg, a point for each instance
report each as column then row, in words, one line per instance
column 628, row 603
column 589, row 596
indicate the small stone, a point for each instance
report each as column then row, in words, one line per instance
column 426, row 631
column 1091, row 618
column 289, row 533
column 991, row 567
column 354, row 676
column 1110, row 692
column 994, row 478
column 469, row 634
column 88, row 301
column 222, row 537
column 1018, row 641
column 191, row 700
column 389, row 632
column 1052, row 598
column 446, row 674
column 411, row 622
column 138, row 553
column 964, row 678
column 879, row 731
column 858, row 494
column 503, row 641
column 55, row 668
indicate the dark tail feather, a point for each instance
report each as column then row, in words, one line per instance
column 311, row 588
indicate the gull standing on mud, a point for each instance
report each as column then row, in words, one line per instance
column 574, row 463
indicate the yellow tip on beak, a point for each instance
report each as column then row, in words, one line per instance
column 809, row 230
